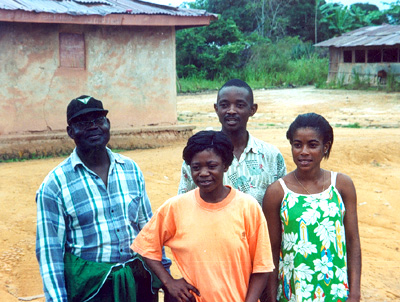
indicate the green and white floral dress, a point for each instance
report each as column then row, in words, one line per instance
column 312, row 264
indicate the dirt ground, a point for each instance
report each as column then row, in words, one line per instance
column 369, row 155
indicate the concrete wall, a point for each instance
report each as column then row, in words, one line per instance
column 131, row 69
column 346, row 72
column 367, row 71
column 56, row 143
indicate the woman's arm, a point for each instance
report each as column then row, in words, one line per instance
column 178, row 289
column 256, row 286
column 271, row 208
column 348, row 192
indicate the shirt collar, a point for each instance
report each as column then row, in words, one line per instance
column 114, row 158
column 252, row 145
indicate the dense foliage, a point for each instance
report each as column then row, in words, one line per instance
column 268, row 42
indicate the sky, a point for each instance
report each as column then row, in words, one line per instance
column 378, row 3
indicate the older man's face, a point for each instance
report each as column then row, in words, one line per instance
column 90, row 131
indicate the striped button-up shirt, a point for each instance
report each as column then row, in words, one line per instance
column 259, row 165
column 78, row 213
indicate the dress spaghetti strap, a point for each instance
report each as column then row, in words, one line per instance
column 285, row 189
column 333, row 178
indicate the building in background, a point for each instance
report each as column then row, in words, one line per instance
column 370, row 53
column 121, row 52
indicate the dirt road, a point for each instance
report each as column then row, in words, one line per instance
column 369, row 155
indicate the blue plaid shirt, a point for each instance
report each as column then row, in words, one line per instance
column 77, row 213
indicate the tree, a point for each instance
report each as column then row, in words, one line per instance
column 366, row 7
column 237, row 10
column 271, row 17
column 317, row 2
column 342, row 19
column 375, row 16
column 207, row 51
column 266, row 17
column 302, row 19
column 198, row 4
column 393, row 13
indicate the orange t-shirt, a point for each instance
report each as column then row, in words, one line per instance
column 216, row 246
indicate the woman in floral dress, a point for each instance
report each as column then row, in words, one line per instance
column 312, row 221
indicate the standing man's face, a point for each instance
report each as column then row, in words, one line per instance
column 234, row 108
column 90, row 131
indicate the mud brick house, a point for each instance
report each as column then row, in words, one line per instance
column 370, row 53
column 122, row 52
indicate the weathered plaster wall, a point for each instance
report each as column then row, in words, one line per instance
column 366, row 71
column 131, row 69
column 57, row 143
column 346, row 72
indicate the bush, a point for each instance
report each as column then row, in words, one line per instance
column 263, row 64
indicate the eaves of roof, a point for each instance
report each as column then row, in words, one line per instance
column 102, row 12
column 367, row 36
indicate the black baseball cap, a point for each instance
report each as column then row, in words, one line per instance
column 82, row 105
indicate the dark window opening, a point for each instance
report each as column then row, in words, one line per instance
column 347, row 56
column 72, row 50
column 360, row 56
column 374, row 56
column 390, row 55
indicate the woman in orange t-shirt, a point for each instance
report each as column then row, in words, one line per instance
column 218, row 235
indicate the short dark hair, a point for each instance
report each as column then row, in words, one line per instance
column 315, row 121
column 217, row 141
column 242, row 84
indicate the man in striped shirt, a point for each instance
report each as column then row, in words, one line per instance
column 90, row 208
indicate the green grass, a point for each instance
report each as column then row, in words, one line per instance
column 353, row 125
column 301, row 72
column 25, row 156
column 288, row 62
column 359, row 82
column 180, row 118
column 376, row 164
column 196, row 84
column 266, row 124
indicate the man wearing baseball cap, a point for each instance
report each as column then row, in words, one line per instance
column 89, row 210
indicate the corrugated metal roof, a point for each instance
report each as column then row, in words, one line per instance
column 366, row 36
column 98, row 7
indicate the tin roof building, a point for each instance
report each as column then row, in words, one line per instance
column 119, row 51
column 371, row 53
